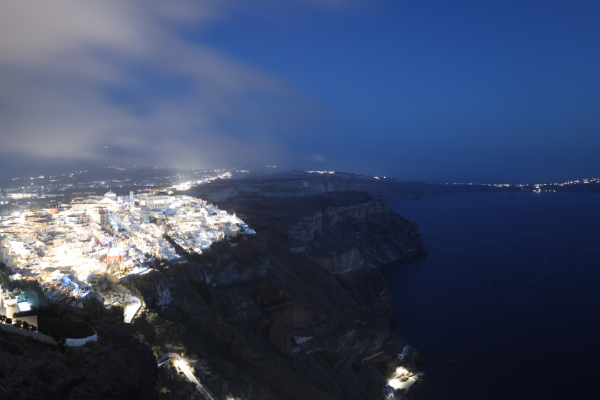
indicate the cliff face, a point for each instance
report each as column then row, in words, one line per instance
column 296, row 311
column 365, row 233
column 340, row 231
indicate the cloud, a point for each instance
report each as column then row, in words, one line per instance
column 318, row 158
column 91, row 80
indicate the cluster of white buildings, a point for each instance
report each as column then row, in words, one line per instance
column 64, row 248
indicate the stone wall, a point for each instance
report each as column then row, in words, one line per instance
column 34, row 335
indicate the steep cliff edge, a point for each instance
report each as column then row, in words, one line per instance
column 366, row 232
column 296, row 311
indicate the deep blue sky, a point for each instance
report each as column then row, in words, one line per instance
column 432, row 90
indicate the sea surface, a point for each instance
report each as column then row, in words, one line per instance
column 507, row 303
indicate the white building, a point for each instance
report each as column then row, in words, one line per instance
column 153, row 202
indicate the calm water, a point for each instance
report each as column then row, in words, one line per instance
column 507, row 303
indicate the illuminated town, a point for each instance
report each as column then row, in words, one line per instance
column 570, row 185
column 64, row 248
column 535, row 187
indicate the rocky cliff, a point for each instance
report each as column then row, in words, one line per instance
column 297, row 311
column 366, row 232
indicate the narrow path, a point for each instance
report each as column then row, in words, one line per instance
column 131, row 309
column 183, row 366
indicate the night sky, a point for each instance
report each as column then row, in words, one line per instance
column 502, row 91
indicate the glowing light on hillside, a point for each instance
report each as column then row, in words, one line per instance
column 181, row 365
column 403, row 379
column 395, row 383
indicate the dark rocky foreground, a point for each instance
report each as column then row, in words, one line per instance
column 296, row 311
column 117, row 367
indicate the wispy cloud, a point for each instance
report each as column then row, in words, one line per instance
column 318, row 158
column 96, row 79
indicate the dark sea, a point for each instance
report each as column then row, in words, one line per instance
column 507, row 303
